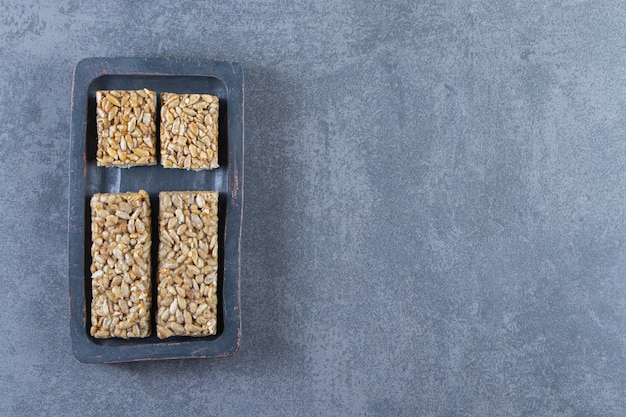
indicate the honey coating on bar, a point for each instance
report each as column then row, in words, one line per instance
column 188, row 264
column 189, row 131
column 120, row 267
column 126, row 126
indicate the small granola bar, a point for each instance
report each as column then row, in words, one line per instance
column 187, row 272
column 126, row 125
column 189, row 131
column 120, row 266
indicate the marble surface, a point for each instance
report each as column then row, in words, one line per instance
column 434, row 216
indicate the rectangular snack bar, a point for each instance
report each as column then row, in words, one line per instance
column 120, row 266
column 189, row 131
column 126, row 126
column 187, row 272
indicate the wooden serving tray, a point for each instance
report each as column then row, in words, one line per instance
column 222, row 79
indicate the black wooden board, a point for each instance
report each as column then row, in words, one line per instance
column 223, row 79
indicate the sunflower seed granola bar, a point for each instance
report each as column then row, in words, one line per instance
column 187, row 271
column 126, row 126
column 189, row 131
column 120, row 267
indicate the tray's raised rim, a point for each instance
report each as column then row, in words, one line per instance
column 229, row 342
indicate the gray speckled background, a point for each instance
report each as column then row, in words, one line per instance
column 434, row 220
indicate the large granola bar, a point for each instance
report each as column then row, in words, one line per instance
column 188, row 264
column 120, row 267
